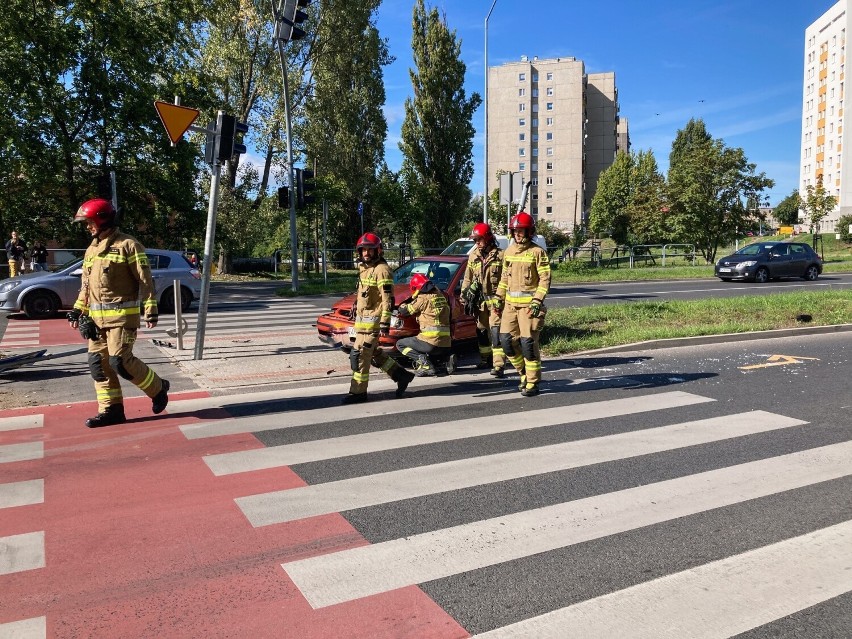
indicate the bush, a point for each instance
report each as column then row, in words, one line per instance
column 843, row 228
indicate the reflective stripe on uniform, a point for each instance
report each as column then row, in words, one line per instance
column 435, row 331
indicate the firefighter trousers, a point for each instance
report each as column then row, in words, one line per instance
column 488, row 337
column 366, row 352
column 517, row 323
column 111, row 356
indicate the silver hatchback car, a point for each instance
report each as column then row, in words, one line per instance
column 41, row 295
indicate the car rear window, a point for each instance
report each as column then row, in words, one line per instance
column 158, row 261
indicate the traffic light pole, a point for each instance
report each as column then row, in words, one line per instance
column 294, row 243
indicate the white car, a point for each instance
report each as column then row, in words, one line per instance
column 465, row 245
column 42, row 294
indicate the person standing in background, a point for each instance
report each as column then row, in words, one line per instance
column 38, row 256
column 16, row 251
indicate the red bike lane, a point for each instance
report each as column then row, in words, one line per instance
column 141, row 540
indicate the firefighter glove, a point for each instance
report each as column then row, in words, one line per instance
column 88, row 329
column 74, row 316
column 384, row 329
column 535, row 308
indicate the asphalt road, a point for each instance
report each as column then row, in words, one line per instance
column 701, row 491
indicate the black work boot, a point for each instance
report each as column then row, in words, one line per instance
column 531, row 390
column 161, row 399
column 112, row 415
column 354, row 398
column 498, row 372
column 402, row 378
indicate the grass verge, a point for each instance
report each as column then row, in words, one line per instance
column 569, row 330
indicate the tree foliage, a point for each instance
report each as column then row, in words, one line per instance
column 787, row 210
column 437, row 133
column 817, row 203
column 707, row 185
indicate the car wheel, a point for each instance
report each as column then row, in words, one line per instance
column 41, row 304
column 762, row 275
column 812, row 273
column 166, row 305
column 185, row 299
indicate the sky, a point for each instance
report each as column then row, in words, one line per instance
column 737, row 64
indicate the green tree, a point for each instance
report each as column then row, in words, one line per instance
column 817, row 203
column 707, row 185
column 843, row 224
column 345, row 128
column 647, row 202
column 609, row 206
column 787, row 211
column 437, row 133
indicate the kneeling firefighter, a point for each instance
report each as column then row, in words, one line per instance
column 523, row 287
column 431, row 347
column 373, row 307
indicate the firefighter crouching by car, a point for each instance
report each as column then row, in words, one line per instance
column 479, row 294
column 431, row 347
column 373, row 308
column 523, row 287
column 116, row 279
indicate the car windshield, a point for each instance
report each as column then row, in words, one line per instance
column 459, row 247
column 441, row 273
column 754, row 249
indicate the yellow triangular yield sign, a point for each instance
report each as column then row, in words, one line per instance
column 177, row 119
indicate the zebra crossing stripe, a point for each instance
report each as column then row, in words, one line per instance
column 707, row 602
column 21, row 422
column 22, row 493
column 35, row 628
column 21, row 452
column 21, row 552
column 360, row 492
column 290, row 454
column 359, row 572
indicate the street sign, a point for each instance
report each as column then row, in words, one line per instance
column 177, row 119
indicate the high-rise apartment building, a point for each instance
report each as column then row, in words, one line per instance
column 824, row 155
column 559, row 127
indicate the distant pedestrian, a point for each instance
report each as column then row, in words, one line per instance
column 16, row 252
column 38, row 257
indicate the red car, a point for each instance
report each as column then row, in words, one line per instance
column 446, row 271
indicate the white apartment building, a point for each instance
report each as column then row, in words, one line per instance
column 559, row 127
column 824, row 153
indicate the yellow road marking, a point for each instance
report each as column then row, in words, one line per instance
column 779, row 360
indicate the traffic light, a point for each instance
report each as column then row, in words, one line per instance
column 283, row 197
column 289, row 16
column 304, row 187
column 227, row 146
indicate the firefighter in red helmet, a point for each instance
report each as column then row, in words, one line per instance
column 479, row 294
column 431, row 347
column 523, row 287
column 373, row 309
column 116, row 282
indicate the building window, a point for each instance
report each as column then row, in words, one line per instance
column 535, row 107
column 522, row 92
column 550, row 76
column 522, row 151
column 535, row 137
column 549, row 166
column 522, row 166
column 522, row 136
column 522, row 107
column 535, row 77
column 549, row 90
column 522, row 77
column 550, row 150
column 549, row 106
column 548, row 210
column 535, row 152
column 550, row 135
column 535, row 93
column 535, row 122
column 549, row 121
column 549, row 195
column 535, row 196
column 534, row 180
column 549, row 181
column 522, row 121
column 535, row 168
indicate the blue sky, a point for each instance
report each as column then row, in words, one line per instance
column 736, row 64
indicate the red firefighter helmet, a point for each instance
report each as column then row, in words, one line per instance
column 418, row 281
column 369, row 240
column 522, row 220
column 99, row 211
column 482, row 230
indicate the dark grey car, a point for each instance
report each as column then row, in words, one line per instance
column 763, row 261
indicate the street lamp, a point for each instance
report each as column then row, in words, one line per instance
column 485, row 190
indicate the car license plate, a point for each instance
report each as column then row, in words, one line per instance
column 724, row 270
column 351, row 332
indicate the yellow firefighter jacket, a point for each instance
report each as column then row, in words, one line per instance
column 116, row 279
column 486, row 268
column 526, row 274
column 373, row 297
column 433, row 316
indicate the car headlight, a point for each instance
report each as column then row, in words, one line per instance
column 748, row 263
column 8, row 286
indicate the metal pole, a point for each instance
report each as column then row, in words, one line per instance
column 485, row 193
column 178, row 313
column 207, row 260
column 294, row 242
column 324, row 245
